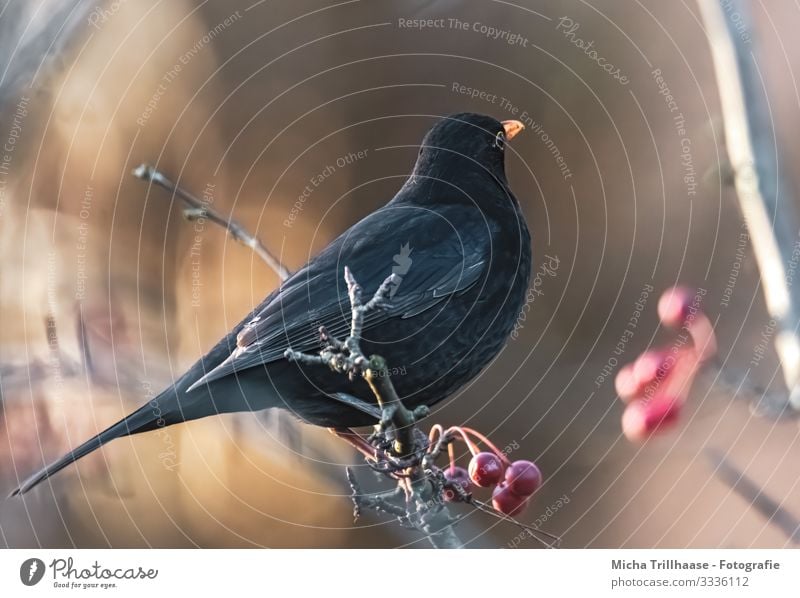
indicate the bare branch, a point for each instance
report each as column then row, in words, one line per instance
column 198, row 209
column 772, row 223
column 397, row 448
column 775, row 514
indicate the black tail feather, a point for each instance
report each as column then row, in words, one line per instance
column 154, row 414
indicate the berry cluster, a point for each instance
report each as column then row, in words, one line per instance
column 513, row 483
column 656, row 385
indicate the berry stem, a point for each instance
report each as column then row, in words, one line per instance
column 680, row 382
column 473, row 448
column 703, row 338
column 435, row 432
column 490, row 444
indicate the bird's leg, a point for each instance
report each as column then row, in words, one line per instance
column 376, row 453
column 356, row 441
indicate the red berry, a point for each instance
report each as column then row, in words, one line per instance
column 675, row 306
column 507, row 502
column 651, row 366
column 456, row 476
column 486, row 469
column 626, row 384
column 523, row 478
column 643, row 418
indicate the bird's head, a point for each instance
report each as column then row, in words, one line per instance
column 466, row 143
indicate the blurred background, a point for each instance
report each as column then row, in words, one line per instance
column 108, row 293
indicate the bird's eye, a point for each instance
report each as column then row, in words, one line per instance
column 500, row 140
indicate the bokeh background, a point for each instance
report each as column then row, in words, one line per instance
column 107, row 293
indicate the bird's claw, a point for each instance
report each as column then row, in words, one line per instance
column 394, row 466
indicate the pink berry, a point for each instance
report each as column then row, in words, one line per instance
column 507, row 502
column 485, row 469
column 675, row 306
column 651, row 366
column 626, row 384
column 641, row 419
column 456, row 476
column 523, row 478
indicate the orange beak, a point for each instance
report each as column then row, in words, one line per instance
column 512, row 127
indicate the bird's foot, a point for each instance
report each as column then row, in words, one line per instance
column 396, row 467
column 378, row 451
column 389, row 462
column 357, row 442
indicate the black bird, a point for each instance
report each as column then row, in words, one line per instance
column 456, row 238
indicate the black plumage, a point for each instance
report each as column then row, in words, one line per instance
column 455, row 236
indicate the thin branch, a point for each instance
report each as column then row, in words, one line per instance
column 739, row 385
column 771, row 221
column 533, row 531
column 380, row 502
column 775, row 514
column 199, row 209
column 195, row 208
column 399, row 447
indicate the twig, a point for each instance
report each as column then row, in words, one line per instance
column 199, row 209
column 394, row 412
column 762, row 402
column 772, row 224
column 555, row 541
column 775, row 514
column 379, row 502
column 419, row 482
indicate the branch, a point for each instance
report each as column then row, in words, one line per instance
column 769, row 508
column 772, row 224
column 198, row 209
column 399, row 447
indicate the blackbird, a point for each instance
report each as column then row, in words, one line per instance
column 456, row 239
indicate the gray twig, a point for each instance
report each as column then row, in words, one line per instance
column 769, row 508
column 418, row 499
column 198, row 209
column 771, row 221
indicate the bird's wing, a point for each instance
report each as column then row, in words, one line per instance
column 435, row 254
